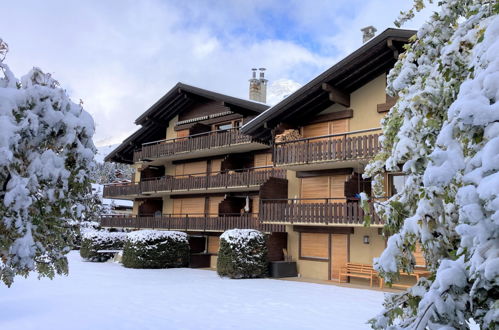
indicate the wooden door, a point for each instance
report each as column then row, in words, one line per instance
column 339, row 254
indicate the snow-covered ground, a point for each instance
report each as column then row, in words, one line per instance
column 107, row 296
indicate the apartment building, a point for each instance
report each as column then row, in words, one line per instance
column 207, row 162
column 323, row 135
column 196, row 172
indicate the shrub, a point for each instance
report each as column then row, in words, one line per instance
column 242, row 254
column 156, row 249
column 93, row 241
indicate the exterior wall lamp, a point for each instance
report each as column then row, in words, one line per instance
column 366, row 239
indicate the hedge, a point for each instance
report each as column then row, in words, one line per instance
column 156, row 249
column 242, row 254
column 93, row 241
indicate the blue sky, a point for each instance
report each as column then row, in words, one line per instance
column 120, row 56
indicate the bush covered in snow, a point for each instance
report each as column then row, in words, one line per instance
column 93, row 241
column 156, row 249
column 46, row 156
column 242, row 254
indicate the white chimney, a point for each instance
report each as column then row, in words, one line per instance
column 368, row 33
column 258, row 86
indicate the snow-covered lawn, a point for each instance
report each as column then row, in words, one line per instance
column 108, row 296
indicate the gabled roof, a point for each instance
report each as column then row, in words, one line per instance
column 178, row 99
column 182, row 96
column 375, row 57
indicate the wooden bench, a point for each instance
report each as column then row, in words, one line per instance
column 417, row 273
column 358, row 270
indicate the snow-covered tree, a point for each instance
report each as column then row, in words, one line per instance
column 443, row 133
column 46, row 154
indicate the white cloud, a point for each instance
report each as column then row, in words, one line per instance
column 121, row 56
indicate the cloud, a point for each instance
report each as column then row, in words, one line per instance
column 121, row 56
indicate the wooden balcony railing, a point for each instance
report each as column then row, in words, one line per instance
column 314, row 211
column 239, row 178
column 195, row 142
column 122, row 189
column 249, row 177
column 191, row 222
column 332, row 147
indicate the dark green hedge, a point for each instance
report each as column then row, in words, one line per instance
column 93, row 241
column 156, row 249
column 242, row 254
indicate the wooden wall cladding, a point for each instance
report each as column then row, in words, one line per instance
column 276, row 242
column 204, row 109
column 255, row 205
column 314, row 246
column 274, row 188
column 150, row 206
column 339, row 254
column 213, row 244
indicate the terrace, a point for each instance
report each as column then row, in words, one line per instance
column 190, row 222
column 220, row 181
column 205, row 144
column 320, row 152
column 315, row 211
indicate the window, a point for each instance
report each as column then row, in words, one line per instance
column 229, row 125
column 397, row 183
column 225, row 126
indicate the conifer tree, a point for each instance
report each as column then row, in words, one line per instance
column 443, row 134
column 46, row 155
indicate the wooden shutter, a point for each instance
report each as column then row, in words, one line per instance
column 216, row 165
column 255, row 206
column 339, row 126
column 263, row 160
column 339, row 254
column 179, row 169
column 315, row 130
column 316, row 187
column 213, row 205
column 198, row 168
column 337, row 186
column 190, row 206
column 213, row 244
column 177, row 206
column 314, row 245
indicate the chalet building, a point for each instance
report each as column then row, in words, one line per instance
column 196, row 172
column 323, row 135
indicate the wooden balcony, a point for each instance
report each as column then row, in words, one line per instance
column 238, row 180
column 242, row 180
column 198, row 145
column 327, row 211
column 316, row 151
column 200, row 222
column 121, row 190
